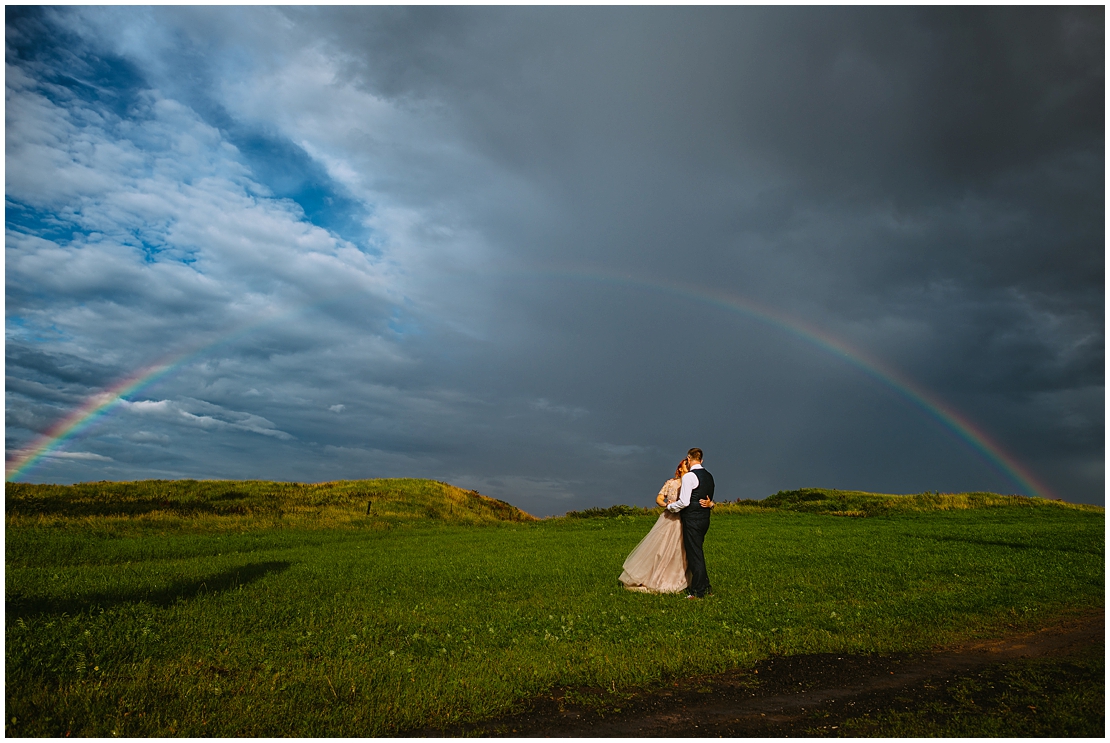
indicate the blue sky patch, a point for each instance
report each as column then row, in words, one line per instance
column 31, row 221
column 289, row 173
column 106, row 80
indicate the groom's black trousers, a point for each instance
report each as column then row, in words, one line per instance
column 694, row 526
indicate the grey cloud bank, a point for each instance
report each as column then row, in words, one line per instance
column 479, row 245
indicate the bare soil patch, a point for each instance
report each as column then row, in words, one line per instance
column 802, row 695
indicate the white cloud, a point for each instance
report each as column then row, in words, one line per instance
column 78, row 455
column 146, row 437
column 205, row 415
column 163, row 182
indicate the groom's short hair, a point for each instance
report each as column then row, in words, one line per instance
column 694, row 454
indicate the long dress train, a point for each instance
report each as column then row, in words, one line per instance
column 658, row 564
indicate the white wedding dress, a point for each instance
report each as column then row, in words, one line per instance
column 658, row 564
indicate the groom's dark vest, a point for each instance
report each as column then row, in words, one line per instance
column 703, row 490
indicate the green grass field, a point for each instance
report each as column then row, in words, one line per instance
column 230, row 608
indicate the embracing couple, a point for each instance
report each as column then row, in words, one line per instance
column 670, row 557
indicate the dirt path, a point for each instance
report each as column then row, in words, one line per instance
column 785, row 695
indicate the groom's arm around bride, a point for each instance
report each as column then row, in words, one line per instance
column 696, row 484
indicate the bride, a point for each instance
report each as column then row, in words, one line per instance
column 658, row 564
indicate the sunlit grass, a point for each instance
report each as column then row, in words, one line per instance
column 220, row 505
column 202, row 623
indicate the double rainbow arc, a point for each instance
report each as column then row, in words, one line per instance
column 98, row 405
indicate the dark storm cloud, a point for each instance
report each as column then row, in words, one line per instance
column 56, row 368
column 893, row 146
column 942, row 167
column 458, row 193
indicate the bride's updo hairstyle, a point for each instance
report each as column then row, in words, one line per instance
column 681, row 470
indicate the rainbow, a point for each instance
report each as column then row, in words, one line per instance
column 96, row 406
column 91, row 410
column 99, row 405
column 962, row 427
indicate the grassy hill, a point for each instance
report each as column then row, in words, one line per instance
column 858, row 503
column 327, row 504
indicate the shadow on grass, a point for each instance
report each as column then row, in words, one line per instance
column 227, row 580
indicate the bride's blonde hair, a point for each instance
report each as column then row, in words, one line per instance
column 682, row 468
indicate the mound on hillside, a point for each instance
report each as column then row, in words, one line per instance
column 343, row 500
column 857, row 503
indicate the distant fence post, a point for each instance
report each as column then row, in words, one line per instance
column 368, row 504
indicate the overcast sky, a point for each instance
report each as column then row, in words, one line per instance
column 476, row 245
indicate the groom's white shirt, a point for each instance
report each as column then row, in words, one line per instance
column 689, row 482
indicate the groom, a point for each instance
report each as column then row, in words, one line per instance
column 694, row 504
